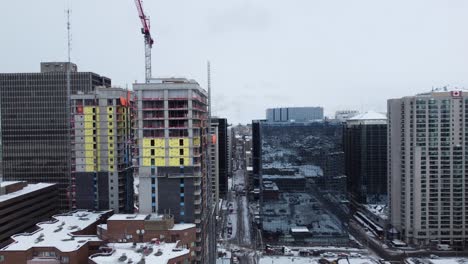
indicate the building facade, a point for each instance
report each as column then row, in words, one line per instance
column 22, row 205
column 428, row 139
column 35, row 126
column 295, row 114
column 172, row 148
column 365, row 147
column 214, row 162
column 223, row 155
column 102, row 172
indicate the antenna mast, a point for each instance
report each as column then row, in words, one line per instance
column 68, row 107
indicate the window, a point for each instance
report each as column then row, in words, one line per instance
column 181, row 142
column 152, row 152
column 181, row 161
column 181, row 152
column 152, row 162
column 152, row 142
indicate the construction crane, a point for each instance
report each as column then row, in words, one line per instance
column 145, row 30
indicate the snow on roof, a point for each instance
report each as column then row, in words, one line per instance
column 169, row 251
column 27, row 189
column 300, row 229
column 58, row 233
column 370, row 117
column 379, row 210
column 440, row 260
column 7, row 183
column 128, row 217
column 177, row 227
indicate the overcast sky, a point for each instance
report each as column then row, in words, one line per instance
column 264, row 53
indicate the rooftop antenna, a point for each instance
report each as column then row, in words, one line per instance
column 69, row 161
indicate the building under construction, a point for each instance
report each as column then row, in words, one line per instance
column 172, row 147
column 34, row 125
column 102, row 172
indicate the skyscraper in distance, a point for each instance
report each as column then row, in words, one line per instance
column 365, row 147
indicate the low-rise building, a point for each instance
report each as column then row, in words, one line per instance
column 161, row 253
column 147, row 227
column 67, row 238
column 22, row 205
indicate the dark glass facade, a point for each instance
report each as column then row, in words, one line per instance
column 35, row 142
column 223, row 155
column 365, row 148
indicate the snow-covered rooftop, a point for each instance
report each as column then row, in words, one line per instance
column 177, row 227
column 7, row 183
column 436, row 261
column 379, row 210
column 58, row 233
column 370, row 117
column 27, row 189
column 153, row 253
column 128, row 217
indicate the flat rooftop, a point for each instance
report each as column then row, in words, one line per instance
column 58, row 233
column 152, row 253
column 436, row 261
column 27, row 189
column 128, row 217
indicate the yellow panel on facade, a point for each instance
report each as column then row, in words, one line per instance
column 88, row 118
column 160, row 162
column 174, row 162
column 146, row 162
column 88, row 109
column 160, row 152
column 174, row 152
column 89, row 168
column 159, row 142
column 146, row 142
column 111, row 168
column 146, row 152
column 89, row 161
column 196, row 141
column 88, row 132
column 110, row 109
column 88, row 124
column 186, row 161
column 175, row 142
column 89, row 153
column 88, row 146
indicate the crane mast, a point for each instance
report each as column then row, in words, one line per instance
column 145, row 30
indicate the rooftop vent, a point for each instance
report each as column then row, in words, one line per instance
column 158, row 253
column 123, row 257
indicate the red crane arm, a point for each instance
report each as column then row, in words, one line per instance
column 144, row 22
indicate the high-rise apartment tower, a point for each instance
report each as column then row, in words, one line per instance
column 102, row 136
column 172, row 147
column 428, row 142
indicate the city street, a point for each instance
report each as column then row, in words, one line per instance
column 237, row 216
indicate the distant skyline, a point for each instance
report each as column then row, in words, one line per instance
column 332, row 53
